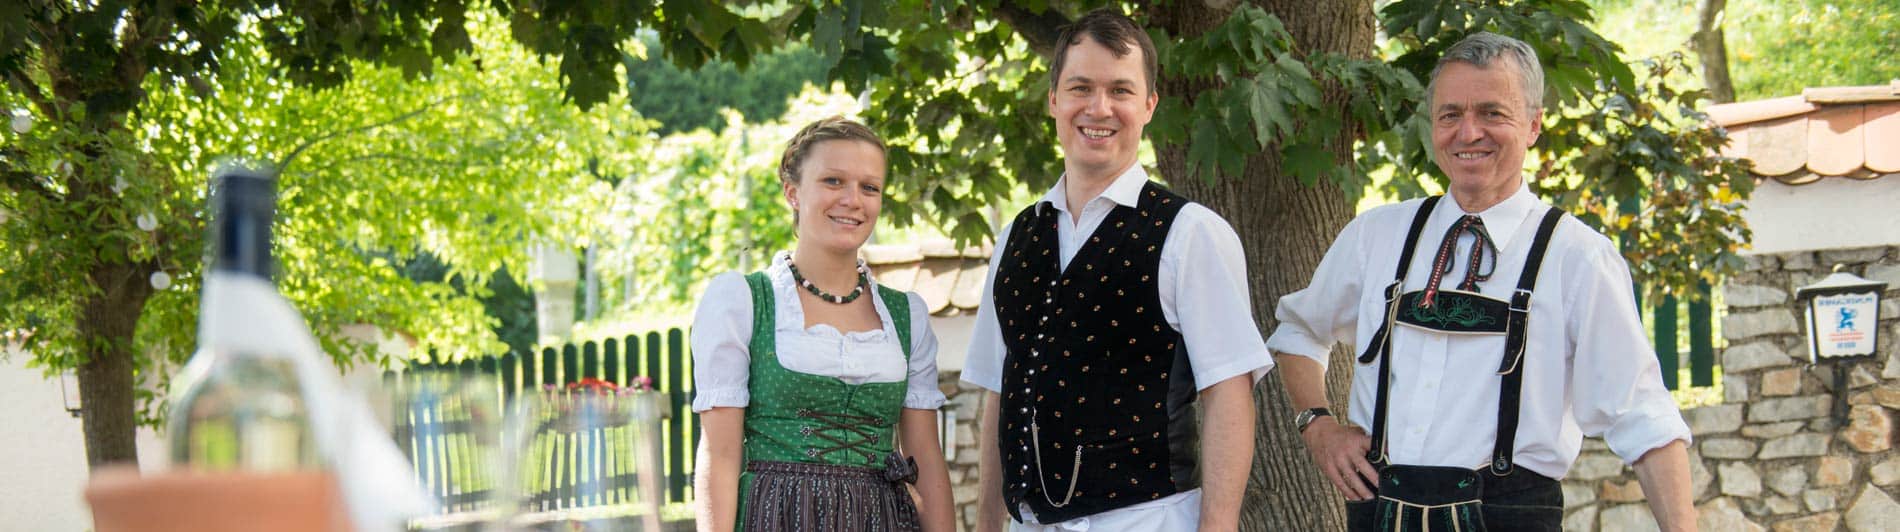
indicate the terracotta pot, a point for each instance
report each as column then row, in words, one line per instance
column 123, row 500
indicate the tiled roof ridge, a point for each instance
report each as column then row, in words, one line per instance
column 950, row 279
column 903, row 252
column 1850, row 132
column 1810, row 99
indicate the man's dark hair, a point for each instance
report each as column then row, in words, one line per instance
column 1114, row 31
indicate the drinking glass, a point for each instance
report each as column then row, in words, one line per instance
column 449, row 425
column 585, row 457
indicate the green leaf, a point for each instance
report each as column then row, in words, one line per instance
column 1204, row 150
column 1263, row 106
column 1307, row 162
column 827, row 34
column 1427, row 24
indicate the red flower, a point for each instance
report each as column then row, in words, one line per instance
column 593, row 384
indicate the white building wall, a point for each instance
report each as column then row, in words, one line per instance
column 953, row 339
column 1832, row 213
column 43, row 453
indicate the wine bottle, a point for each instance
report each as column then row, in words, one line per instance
column 239, row 405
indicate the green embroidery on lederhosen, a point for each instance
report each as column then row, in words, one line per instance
column 1454, row 312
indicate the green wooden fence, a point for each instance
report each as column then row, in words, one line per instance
column 1666, row 326
column 436, row 440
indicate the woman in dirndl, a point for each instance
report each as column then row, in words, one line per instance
column 816, row 387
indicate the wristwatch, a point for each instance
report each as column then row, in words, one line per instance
column 1307, row 416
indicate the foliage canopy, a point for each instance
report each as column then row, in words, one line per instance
column 1773, row 46
column 374, row 173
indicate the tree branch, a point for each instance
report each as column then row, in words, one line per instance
column 22, row 181
column 1040, row 29
column 283, row 165
column 404, row 158
column 18, row 79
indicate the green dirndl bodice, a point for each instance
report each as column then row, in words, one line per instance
column 803, row 418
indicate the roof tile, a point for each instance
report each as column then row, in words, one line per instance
column 935, row 280
column 1778, row 146
column 968, row 292
column 1882, row 137
column 900, row 276
column 1834, row 140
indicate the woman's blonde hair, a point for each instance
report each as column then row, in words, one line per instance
column 833, row 128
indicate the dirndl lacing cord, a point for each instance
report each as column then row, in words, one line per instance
column 846, row 432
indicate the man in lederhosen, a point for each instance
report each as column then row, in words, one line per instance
column 1112, row 305
column 1493, row 332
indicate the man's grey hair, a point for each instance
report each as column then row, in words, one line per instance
column 1481, row 49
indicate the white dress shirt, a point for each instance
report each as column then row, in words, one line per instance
column 1203, row 281
column 1589, row 369
column 722, row 336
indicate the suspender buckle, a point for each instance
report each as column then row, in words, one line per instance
column 1521, row 301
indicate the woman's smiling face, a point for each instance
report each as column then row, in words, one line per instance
column 839, row 192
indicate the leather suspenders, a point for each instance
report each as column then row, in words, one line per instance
column 1381, row 344
column 1510, row 368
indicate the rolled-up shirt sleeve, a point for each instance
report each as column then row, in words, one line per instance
column 1616, row 382
column 1326, row 312
column 921, row 388
column 983, row 361
column 721, row 342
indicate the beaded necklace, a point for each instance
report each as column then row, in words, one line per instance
column 863, row 281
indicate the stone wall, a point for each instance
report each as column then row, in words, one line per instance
column 964, row 400
column 1773, row 456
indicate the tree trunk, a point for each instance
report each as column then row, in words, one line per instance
column 1286, row 228
column 108, row 320
column 108, row 314
column 1711, row 49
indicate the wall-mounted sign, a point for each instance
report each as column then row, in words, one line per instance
column 1843, row 315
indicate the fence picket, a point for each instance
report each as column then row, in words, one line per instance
column 610, row 362
column 1665, row 338
column 1702, row 337
column 570, row 364
column 676, row 425
column 1665, row 331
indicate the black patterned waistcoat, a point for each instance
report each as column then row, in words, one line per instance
column 1096, row 385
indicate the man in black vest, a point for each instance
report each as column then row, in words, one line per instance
column 1483, row 363
column 1112, row 305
